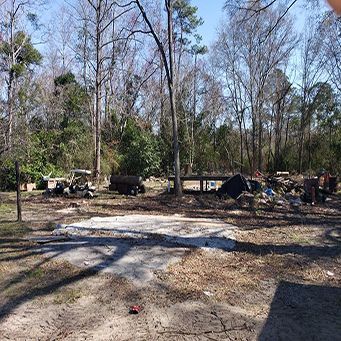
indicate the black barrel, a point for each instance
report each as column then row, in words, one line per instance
column 126, row 180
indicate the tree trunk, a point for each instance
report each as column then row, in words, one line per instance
column 17, row 178
column 301, row 143
column 195, row 86
column 177, row 181
column 169, row 68
column 98, row 110
column 270, row 138
column 253, row 161
column 309, row 145
column 241, row 146
column 260, row 142
column 10, row 110
column 11, row 80
column 98, row 94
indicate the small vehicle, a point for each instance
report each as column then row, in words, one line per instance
column 79, row 185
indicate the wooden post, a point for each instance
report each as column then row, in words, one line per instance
column 17, row 177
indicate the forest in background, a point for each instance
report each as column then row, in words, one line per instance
column 128, row 87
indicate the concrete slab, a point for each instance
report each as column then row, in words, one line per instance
column 196, row 232
column 134, row 246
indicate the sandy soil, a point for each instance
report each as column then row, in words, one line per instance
column 281, row 282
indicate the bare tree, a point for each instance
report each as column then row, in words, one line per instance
column 247, row 52
column 60, row 42
column 329, row 28
column 98, row 18
column 168, row 63
column 278, row 107
column 312, row 71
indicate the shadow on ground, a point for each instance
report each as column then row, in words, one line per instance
column 303, row 312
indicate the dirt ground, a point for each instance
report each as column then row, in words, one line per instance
column 282, row 281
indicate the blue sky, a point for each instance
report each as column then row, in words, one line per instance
column 211, row 12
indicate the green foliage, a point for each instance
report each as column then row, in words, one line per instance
column 166, row 155
column 30, row 172
column 228, row 149
column 65, row 79
column 7, row 175
column 18, row 69
column 74, row 146
column 165, row 142
column 186, row 23
column 35, row 161
column 71, row 98
column 140, row 151
column 111, row 130
column 110, row 162
column 205, row 155
column 186, row 16
column 27, row 55
column 52, row 151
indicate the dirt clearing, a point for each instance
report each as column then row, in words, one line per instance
column 281, row 280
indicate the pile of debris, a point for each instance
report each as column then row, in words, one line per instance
column 284, row 185
column 278, row 189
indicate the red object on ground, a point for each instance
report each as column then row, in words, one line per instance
column 135, row 309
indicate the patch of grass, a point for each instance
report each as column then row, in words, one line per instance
column 34, row 193
column 65, row 296
column 6, row 208
column 13, row 229
column 36, row 273
column 50, row 226
column 301, row 239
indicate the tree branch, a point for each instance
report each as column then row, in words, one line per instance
column 156, row 38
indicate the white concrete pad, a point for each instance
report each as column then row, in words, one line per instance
column 196, row 232
column 134, row 246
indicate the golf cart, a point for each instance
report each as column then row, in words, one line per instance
column 79, row 185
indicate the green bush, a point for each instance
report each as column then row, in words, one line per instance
column 7, row 176
column 140, row 152
column 110, row 161
column 29, row 172
column 45, row 152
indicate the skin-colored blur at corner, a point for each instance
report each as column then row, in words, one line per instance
column 336, row 5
